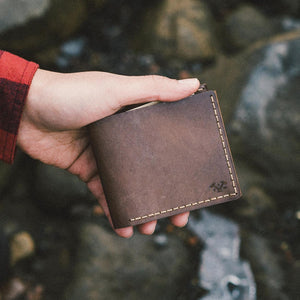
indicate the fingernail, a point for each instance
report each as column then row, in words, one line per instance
column 189, row 81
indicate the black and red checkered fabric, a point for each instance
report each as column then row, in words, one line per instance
column 16, row 75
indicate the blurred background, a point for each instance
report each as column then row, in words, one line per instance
column 55, row 242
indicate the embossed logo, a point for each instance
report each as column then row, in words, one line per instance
column 218, row 186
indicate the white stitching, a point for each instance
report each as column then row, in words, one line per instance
column 210, row 199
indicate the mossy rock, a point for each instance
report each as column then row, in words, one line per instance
column 181, row 29
column 59, row 21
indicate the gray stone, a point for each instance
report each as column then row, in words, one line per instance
column 95, row 4
column 29, row 26
column 109, row 267
column 57, row 189
column 10, row 175
column 259, row 92
column 222, row 273
column 5, row 173
column 289, row 24
column 247, row 25
column 267, row 119
column 293, row 284
column 16, row 12
column 178, row 28
column 256, row 202
column 291, row 7
column 4, row 257
column 269, row 277
column 221, row 7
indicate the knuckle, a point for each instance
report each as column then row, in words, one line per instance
column 157, row 79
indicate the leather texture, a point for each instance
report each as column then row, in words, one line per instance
column 164, row 159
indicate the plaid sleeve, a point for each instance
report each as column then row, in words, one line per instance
column 16, row 74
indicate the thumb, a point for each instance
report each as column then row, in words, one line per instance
column 138, row 89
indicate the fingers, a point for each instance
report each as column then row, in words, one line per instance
column 126, row 232
column 83, row 98
column 180, row 220
column 147, row 228
column 107, row 92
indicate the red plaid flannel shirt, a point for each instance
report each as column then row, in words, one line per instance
column 16, row 74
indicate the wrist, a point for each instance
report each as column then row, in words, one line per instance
column 35, row 101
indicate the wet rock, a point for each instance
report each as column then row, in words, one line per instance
column 14, row 13
column 9, row 175
column 181, row 28
column 291, row 7
column 259, row 92
column 289, row 24
column 38, row 23
column 58, row 190
column 293, row 285
column 256, row 202
column 5, row 171
column 221, row 7
column 70, row 51
column 269, row 275
column 4, row 257
column 245, row 26
column 109, row 267
column 222, row 273
column 268, row 111
column 95, row 4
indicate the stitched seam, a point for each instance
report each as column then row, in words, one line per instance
column 209, row 199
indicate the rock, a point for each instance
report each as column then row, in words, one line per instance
column 259, row 92
column 178, row 28
column 245, row 26
column 293, row 284
column 291, row 7
column 109, row 267
column 95, row 4
column 21, row 246
column 38, row 23
column 70, row 51
column 268, row 111
column 10, row 173
column 222, row 272
column 5, row 172
column 14, row 13
column 58, row 190
column 256, row 203
column 290, row 24
column 221, row 7
column 269, row 276
column 4, row 257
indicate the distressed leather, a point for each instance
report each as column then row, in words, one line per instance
column 164, row 159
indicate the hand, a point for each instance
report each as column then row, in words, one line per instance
column 59, row 106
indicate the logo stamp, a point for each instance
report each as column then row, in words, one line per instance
column 218, row 186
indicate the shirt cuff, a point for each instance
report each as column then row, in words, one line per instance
column 16, row 75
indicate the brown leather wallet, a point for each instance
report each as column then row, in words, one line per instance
column 164, row 159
